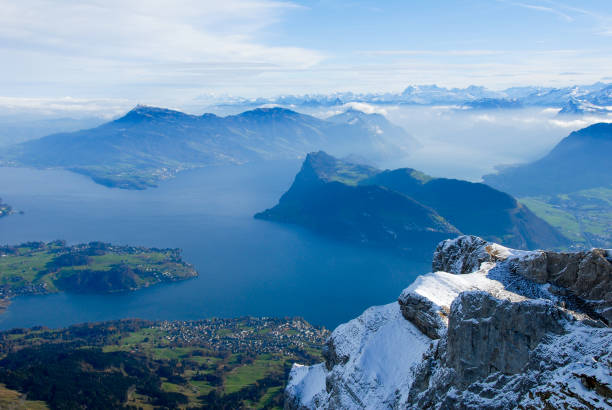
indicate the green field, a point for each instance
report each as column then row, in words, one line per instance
column 217, row 363
column 40, row 268
column 585, row 217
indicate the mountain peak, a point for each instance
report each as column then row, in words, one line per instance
column 579, row 161
column 146, row 113
column 267, row 112
column 328, row 168
column 601, row 130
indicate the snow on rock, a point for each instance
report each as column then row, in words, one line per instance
column 368, row 363
column 307, row 385
column 461, row 255
column 499, row 328
column 426, row 303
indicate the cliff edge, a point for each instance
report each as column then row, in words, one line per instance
column 491, row 327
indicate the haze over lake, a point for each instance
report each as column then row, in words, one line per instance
column 246, row 266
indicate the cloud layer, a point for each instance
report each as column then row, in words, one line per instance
column 167, row 52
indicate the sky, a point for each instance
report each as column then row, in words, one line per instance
column 113, row 53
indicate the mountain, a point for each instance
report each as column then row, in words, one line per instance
column 149, row 144
column 474, row 208
column 19, row 128
column 598, row 96
column 390, row 136
column 403, row 209
column 325, row 197
column 493, row 104
column 579, row 161
column 573, row 107
column 578, row 107
column 491, row 327
column 570, row 187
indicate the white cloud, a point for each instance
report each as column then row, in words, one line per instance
column 59, row 107
column 578, row 123
column 431, row 52
column 359, row 106
column 550, row 111
column 366, row 108
column 165, row 52
column 180, row 43
column 157, row 31
column 545, row 9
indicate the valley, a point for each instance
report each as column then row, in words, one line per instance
column 585, row 216
column 215, row 363
column 569, row 187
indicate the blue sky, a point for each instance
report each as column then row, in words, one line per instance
column 160, row 51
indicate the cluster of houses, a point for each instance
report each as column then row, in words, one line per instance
column 259, row 335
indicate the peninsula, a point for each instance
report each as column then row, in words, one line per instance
column 96, row 267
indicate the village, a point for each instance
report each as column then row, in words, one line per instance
column 259, row 335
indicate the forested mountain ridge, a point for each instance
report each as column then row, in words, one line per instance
column 150, row 144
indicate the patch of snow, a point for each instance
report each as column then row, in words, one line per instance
column 377, row 355
column 443, row 287
column 306, row 382
column 380, row 348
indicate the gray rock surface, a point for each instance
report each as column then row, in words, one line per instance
column 461, row 255
column 487, row 335
column 521, row 332
column 585, row 275
column 424, row 314
column 499, row 354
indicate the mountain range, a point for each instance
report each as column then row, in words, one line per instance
column 403, row 209
column 594, row 98
column 149, row 144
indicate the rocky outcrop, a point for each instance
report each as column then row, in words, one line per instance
column 488, row 335
column 586, row 275
column 495, row 332
column 581, row 280
column 423, row 313
column 539, row 357
column 461, row 255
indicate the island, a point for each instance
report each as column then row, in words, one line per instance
column 36, row 268
column 213, row 363
column 5, row 209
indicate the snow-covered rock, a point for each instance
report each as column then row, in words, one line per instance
column 501, row 329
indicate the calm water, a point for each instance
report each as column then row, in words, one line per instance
column 246, row 266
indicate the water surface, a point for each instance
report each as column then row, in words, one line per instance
column 246, row 266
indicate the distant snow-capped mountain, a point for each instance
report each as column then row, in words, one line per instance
column 592, row 98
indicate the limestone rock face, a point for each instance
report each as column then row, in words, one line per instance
column 461, row 255
column 492, row 328
column 585, row 275
column 488, row 335
column 583, row 279
column 423, row 313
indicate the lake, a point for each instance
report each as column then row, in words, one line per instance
column 246, row 266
